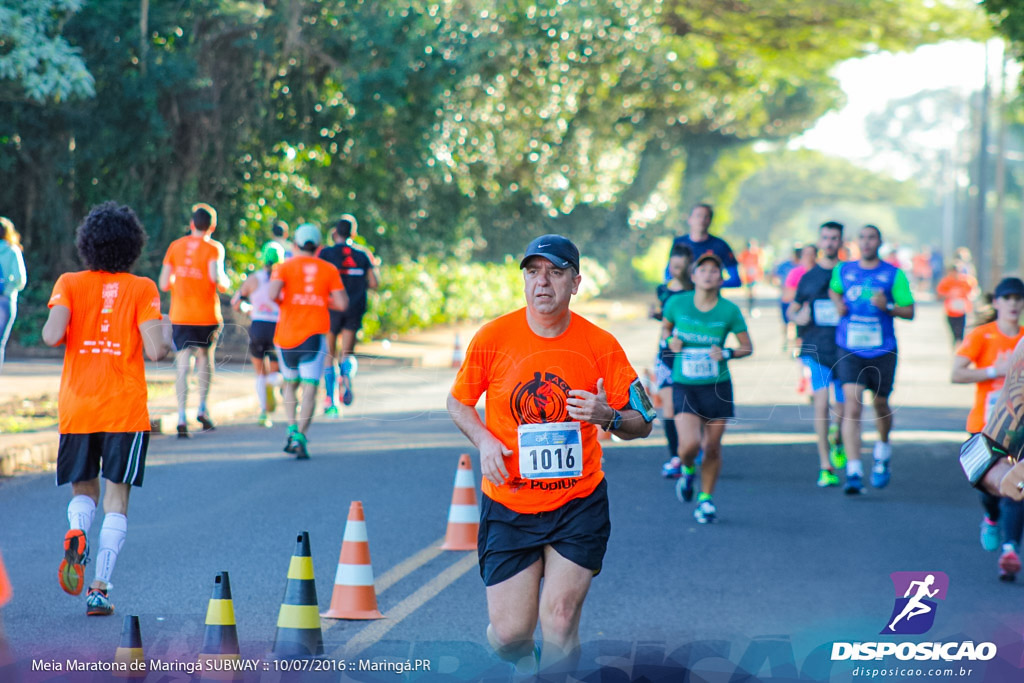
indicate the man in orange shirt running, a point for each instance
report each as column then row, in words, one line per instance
column 956, row 290
column 106, row 318
column 305, row 288
column 552, row 378
column 193, row 271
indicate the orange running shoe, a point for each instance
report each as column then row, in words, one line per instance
column 72, row 568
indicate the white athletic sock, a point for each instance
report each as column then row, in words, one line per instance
column 261, row 392
column 275, row 379
column 81, row 511
column 854, row 466
column 883, row 451
column 112, row 534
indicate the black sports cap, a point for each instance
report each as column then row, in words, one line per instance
column 1009, row 286
column 555, row 248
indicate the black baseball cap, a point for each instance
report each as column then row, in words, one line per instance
column 1009, row 286
column 555, row 248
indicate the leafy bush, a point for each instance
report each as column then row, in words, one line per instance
column 418, row 294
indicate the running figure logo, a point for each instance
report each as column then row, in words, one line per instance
column 914, row 612
column 541, row 399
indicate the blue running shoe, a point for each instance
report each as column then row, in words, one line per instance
column 705, row 512
column 989, row 535
column 97, row 604
column 672, row 469
column 880, row 474
column 684, row 487
column 854, row 485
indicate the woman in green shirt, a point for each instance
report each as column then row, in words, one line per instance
column 695, row 327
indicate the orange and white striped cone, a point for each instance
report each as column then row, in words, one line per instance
column 463, row 514
column 129, row 652
column 354, row 596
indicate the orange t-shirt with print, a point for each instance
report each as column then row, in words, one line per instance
column 194, row 299
column 955, row 291
column 981, row 346
column 527, row 379
column 308, row 283
column 103, row 384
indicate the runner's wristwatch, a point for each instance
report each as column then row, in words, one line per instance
column 615, row 422
column 979, row 454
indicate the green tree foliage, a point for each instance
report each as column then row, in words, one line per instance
column 451, row 127
column 36, row 62
column 792, row 181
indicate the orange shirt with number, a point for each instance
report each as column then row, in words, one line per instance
column 308, row 283
column 103, row 384
column 527, row 379
column 982, row 346
column 955, row 291
column 194, row 299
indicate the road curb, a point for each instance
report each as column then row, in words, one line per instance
column 35, row 452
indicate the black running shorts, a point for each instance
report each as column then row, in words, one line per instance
column 877, row 375
column 261, row 340
column 123, row 457
column 709, row 401
column 201, row 336
column 349, row 319
column 508, row 542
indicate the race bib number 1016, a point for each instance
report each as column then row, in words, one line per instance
column 552, row 450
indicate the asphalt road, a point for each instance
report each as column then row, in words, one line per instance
column 789, row 569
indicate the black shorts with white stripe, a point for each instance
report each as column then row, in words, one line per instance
column 123, row 456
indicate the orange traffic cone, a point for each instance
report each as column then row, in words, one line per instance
column 354, row 596
column 129, row 652
column 5, row 584
column 220, row 640
column 6, row 658
column 298, row 624
column 463, row 514
column 458, row 355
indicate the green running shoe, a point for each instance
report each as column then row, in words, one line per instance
column 827, row 479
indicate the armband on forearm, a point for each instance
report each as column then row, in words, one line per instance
column 978, row 455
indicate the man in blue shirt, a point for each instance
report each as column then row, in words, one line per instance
column 700, row 242
column 868, row 294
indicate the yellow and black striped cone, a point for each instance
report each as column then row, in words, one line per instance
column 220, row 642
column 298, row 623
column 129, row 652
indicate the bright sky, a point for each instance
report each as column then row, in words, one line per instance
column 872, row 81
